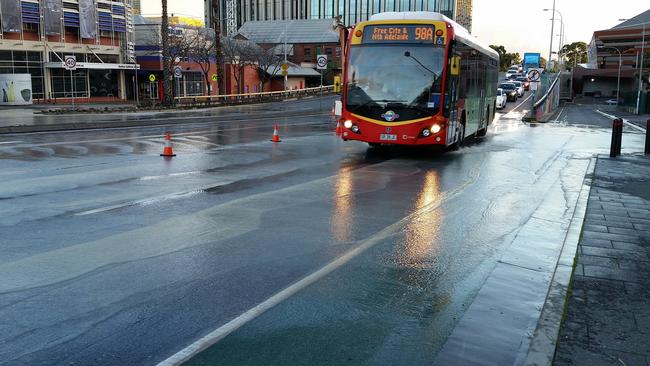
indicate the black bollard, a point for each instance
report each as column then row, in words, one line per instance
column 647, row 136
column 612, row 146
column 619, row 137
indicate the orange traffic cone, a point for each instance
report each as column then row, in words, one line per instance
column 338, row 127
column 276, row 136
column 167, row 150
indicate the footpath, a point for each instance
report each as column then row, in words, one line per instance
column 607, row 316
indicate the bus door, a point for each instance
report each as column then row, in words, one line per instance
column 451, row 104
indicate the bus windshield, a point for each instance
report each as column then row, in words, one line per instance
column 402, row 77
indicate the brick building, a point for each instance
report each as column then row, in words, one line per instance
column 623, row 43
column 304, row 39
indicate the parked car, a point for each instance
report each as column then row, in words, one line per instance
column 524, row 80
column 501, row 98
column 520, row 87
column 611, row 101
column 511, row 91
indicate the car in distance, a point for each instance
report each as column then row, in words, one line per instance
column 510, row 73
column 501, row 98
column 511, row 91
column 524, row 80
column 611, row 101
column 520, row 87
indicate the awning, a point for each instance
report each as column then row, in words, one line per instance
column 94, row 65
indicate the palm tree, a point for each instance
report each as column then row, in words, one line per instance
column 164, row 33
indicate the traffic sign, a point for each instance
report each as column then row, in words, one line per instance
column 285, row 72
column 285, row 67
column 152, row 78
column 321, row 62
column 534, row 75
column 214, row 77
column 178, row 72
column 70, row 62
column 533, row 85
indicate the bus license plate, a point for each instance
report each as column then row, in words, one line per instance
column 387, row 137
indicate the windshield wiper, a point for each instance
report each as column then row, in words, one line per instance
column 420, row 109
column 365, row 104
column 402, row 104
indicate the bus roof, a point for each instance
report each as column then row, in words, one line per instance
column 459, row 31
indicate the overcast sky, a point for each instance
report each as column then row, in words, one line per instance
column 520, row 25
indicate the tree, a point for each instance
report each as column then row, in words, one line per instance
column 176, row 44
column 502, row 53
column 240, row 54
column 575, row 53
column 268, row 64
column 201, row 51
column 218, row 52
column 506, row 59
column 164, row 32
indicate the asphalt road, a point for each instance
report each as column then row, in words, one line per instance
column 113, row 255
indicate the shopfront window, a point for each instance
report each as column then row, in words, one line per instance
column 62, row 82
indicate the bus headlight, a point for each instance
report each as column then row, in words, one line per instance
column 347, row 124
column 426, row 132
column 354, row 128
column 435, row 128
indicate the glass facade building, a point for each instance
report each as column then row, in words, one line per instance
column 350, row 11
column 99, row 33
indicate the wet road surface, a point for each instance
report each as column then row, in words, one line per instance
column 114, row 255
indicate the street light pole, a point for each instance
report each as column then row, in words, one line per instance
column 550, row 48
column 561, row 41
column 638, row 93
column 618, row 81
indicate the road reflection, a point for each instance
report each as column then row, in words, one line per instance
column 422, row 240
column 342, row 213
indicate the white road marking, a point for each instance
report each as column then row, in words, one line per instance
column 9, row 142
column 624, row 120
column 146, row 201
column 557, row 119
column 520, row 104
column 218, row 334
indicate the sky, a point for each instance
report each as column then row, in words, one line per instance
column 520, row 26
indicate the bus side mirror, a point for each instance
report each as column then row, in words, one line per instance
column 455, row 66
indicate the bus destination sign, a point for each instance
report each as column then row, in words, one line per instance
column 405, row 33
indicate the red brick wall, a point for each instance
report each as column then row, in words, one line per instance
column 250, row 79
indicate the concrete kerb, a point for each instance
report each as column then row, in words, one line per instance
column 544, row 339
column 129, row 124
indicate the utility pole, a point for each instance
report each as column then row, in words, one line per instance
column 164, row 33
column 219, row 61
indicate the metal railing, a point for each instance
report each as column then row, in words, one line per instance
column 548, row 102
column 252, row 97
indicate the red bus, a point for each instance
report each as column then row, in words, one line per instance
column 416, row 78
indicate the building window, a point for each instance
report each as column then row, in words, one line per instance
column 30, row 27
column 328, row 51
column 307, row 54
column 192, row 84
column 62, row 83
